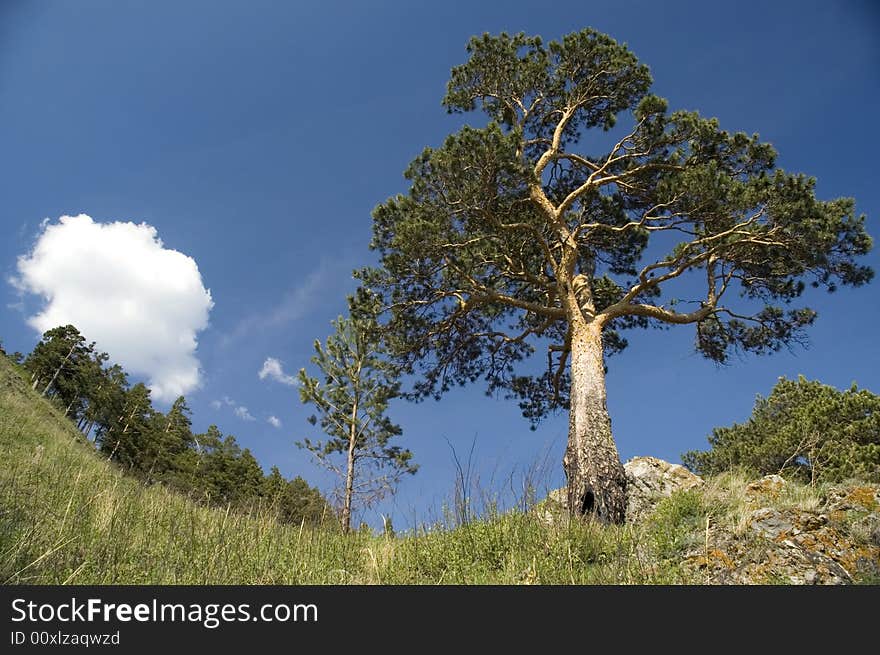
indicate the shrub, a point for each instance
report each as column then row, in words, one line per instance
column 805, row 429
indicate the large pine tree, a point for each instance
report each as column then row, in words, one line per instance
column 530, row 234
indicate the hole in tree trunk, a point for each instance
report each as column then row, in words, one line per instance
column 588, row 503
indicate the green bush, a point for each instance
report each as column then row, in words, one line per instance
column 805, row 429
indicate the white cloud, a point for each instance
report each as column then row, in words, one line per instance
column 142, row 303
column 240, row 411
column 273, row 370
column 274, row 421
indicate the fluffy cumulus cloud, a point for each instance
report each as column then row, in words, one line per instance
column 142, row 303
column 273, row 370
column 274, row 421
column 242, row 412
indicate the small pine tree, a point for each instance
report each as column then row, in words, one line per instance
column 358, row 383
column 294, row 500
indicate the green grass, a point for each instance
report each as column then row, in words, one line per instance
column 67, row 516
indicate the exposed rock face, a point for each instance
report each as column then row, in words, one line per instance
column 770, row 537
column 862, row 498
column 768, row 485
column 650, row 479
column 793, row 546
column 554, row 509
column 784, row 546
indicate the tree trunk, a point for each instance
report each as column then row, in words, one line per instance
column 58, row 370
column 349, row 481
column 596, row 479
column 115, row 448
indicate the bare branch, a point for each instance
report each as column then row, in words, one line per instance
column 659, row 313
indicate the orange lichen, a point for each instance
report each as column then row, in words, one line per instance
column 850, row 558
column 722, row 557
column 864, row 496
column 714, row 558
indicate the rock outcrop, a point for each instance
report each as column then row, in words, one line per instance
column 795, row 546
column 649, row 480
column 768, row 485
column 770, row 532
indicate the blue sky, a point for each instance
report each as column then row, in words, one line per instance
column 257, row 137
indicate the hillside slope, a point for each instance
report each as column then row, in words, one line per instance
column 67, row 516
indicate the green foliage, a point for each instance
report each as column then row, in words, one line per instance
column 805, row 429
column 230, row 475
column 514, row 230
column 294, row 500
column 63, row 366
column 358, row 383
column 675, row 524
column 144, row 442
column 125, row 437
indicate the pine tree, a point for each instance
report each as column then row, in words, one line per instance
column 248, row 478
column 274, row 486
column 58, row 364
column 303, row 502
column 528, row 235
column 125, row 440
column 106, row 400
column 352, row 398
column 294, row 500
column 804, row 429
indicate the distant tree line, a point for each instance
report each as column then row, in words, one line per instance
column 158, row 447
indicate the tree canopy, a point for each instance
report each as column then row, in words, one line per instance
column 583, row 207
column 473, row 255
column 805, row 429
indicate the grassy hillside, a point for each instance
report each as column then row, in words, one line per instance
column 69, row 517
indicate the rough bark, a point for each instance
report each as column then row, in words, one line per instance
column 596, row 479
